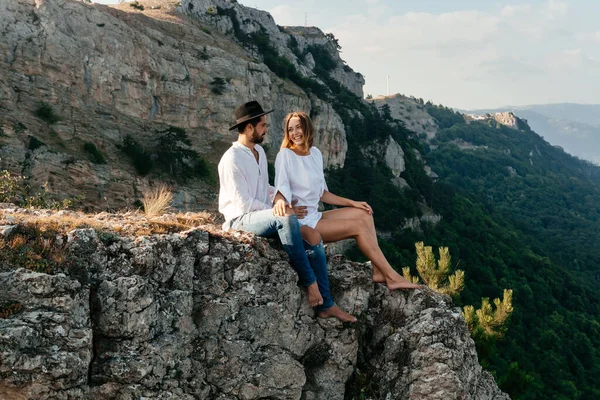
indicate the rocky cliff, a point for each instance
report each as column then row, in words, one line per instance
column 200, row 314
column 121, row 307
column 412, row 114
column 506, row 118
column 74, row 74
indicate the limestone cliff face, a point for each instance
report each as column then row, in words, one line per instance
column 228, row 16
column 199, row 315
column 393, row 156
column 506, row 118
column 410, row 112
column 108, row 72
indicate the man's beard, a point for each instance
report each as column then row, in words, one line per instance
column 256, row 138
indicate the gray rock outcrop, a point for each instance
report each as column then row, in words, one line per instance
column 393, row 158
column 199, row 315
column 411, row 113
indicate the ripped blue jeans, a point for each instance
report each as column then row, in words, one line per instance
column 308, row 261
column 318, row 262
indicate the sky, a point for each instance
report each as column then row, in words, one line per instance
column 462, row 53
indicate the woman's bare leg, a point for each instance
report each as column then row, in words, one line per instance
column 356, row 213
column 337, row 225
column 310, row 235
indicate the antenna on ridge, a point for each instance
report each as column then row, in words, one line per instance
column 305, row 19
column 388, row 85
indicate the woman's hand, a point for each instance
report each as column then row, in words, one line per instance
column 362, row 205
column 300, row 211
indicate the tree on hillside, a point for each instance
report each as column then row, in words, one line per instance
column 487, row 322
column 433, row 273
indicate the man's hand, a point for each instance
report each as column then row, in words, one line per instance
column 300, row 211
column 280, row 208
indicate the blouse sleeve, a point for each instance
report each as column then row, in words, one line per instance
column 320, row 161
column 282, row 177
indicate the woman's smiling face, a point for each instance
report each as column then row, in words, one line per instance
column 295, row 133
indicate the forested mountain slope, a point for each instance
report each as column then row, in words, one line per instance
column 524, row 214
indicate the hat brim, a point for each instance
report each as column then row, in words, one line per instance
column 249, row 118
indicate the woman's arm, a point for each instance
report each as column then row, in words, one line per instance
column 335, row 200
column 282, row 203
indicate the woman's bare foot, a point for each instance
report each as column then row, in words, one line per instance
column 399, row 282
column 314, row 296
column 336, row 312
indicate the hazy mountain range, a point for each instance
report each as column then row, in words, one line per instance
column 574, row 127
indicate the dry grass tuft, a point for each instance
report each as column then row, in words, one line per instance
column 129, row 224
column 157, row 202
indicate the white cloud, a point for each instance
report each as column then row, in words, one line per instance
column 460, row 58
column 515, row 10
column 588, row 36
column 287, row 15
column 556, row 8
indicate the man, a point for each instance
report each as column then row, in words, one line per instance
column 246, row 200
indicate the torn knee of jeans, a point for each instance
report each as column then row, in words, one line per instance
column 308, row 244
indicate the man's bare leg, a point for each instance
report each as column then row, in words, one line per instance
column 336, row 312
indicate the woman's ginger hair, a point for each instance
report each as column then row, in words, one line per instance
column 307, row 128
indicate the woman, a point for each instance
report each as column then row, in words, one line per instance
column 299, row 177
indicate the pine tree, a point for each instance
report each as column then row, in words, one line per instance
column 435, row 274
column 487, row 322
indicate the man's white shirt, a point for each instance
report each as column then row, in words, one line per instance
column 244, row 182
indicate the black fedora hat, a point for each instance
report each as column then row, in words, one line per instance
column 248, row 111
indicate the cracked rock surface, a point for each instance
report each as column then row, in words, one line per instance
column 196, row 315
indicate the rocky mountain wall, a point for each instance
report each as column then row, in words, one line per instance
column 199, row 315
column 104, row 73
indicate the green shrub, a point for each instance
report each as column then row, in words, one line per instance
column 175, row 156
column 445, row 117
column 281, row 66
column 16, row 189
column 332, row 39
column 142, row 161
column 35, row 143
column 293, row 45
column 137, row 6
column 18, row 127
column 204, row 54
column 217, row 85
column 95, row 156
column 46, row 113
column 323, row 59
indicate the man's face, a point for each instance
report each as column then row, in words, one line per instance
column 259, row 131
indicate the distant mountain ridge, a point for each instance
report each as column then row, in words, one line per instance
column 574, row 127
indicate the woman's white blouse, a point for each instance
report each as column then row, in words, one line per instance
column 301, row 178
